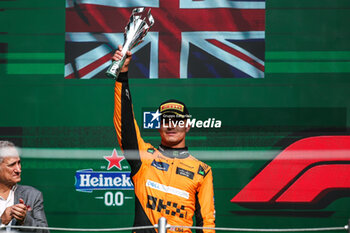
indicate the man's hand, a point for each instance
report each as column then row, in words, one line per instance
column 118, row 55
column 19, row 211
column 6, row 217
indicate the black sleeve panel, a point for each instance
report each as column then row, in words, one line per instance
column 198, row 215
column 125, row 123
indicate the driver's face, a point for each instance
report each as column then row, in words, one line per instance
column 173, row 132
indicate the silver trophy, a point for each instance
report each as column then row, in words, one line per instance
column 135, row 31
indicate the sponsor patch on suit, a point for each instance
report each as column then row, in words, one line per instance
column 184, row 172
column 160, row 165
column 201, row 170
column 151, row 150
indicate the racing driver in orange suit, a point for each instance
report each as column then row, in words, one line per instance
column 168, row 181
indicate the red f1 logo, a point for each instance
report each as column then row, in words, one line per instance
column 303, row 173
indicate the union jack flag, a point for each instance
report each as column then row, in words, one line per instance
column 190, row 38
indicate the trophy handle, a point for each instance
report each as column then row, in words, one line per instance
column 115, row 68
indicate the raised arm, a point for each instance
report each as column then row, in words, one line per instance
column 128, row 133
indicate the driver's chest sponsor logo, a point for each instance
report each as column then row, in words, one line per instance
column 167, row 189
column 183, row 172
column 160, row 165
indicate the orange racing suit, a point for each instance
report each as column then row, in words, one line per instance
column 168, row 182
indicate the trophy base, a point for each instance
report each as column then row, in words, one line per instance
column 111, row 75
column 114, row 69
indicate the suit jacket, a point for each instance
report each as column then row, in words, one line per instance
column 33, row 198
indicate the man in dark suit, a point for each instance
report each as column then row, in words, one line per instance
column 19, row 204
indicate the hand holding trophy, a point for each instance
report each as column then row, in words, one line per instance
column 135, row 31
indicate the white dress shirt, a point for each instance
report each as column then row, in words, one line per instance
column 10, row 201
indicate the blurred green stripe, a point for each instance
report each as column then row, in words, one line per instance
column 35, row 56
column 35, row 68
column 323, row 4
column 308, row 67
column 309, row 55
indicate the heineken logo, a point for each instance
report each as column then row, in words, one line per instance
column 89, row 180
